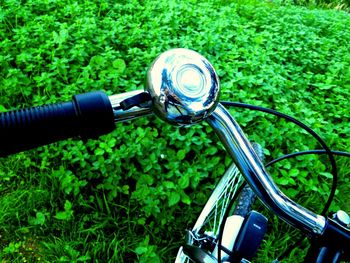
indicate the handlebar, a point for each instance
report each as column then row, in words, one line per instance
column 256, row 176
column 183, row 89
column 121, row 115
column 87, row 116
column 247, row 161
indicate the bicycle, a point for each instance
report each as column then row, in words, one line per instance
column 183, row 89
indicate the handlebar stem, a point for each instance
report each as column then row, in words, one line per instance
column 256, row 176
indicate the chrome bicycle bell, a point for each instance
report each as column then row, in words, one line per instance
column 184, row 87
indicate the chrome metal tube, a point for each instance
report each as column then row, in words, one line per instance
column 256, row 176
column 133, row 113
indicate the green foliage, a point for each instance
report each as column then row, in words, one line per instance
column 129, row 195
column 326, row 4
column 147, row 252
column 67, row 213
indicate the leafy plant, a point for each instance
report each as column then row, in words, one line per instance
column 129, row 195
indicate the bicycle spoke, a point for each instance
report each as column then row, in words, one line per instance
column 220, row 200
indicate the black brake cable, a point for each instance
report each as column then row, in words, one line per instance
column 310, row 131
column 318, row 152
column 306, row 128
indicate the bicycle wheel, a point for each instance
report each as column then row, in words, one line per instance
column 202, row 239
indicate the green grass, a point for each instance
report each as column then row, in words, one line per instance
column 129, row 195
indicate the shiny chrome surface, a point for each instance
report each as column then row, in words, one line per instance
column 214, row 209
column 250, row 166
column 133, row 113
column 185, row 89
column 342, row 217
column 183, row 85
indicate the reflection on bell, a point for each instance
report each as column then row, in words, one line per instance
column 183, row 85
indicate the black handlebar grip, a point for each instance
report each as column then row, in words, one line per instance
column 88, row 115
